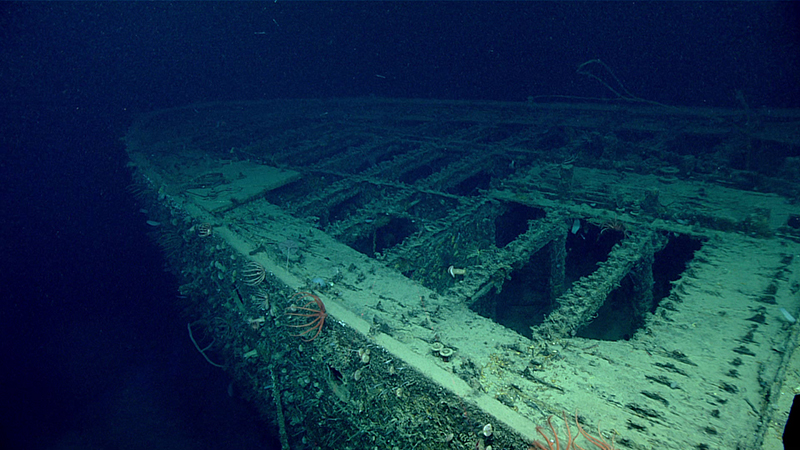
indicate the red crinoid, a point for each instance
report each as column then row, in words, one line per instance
column 598, row 442
column 318, row 315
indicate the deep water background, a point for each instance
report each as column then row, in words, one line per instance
column 94, row 352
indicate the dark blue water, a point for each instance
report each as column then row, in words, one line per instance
column 94, row 353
